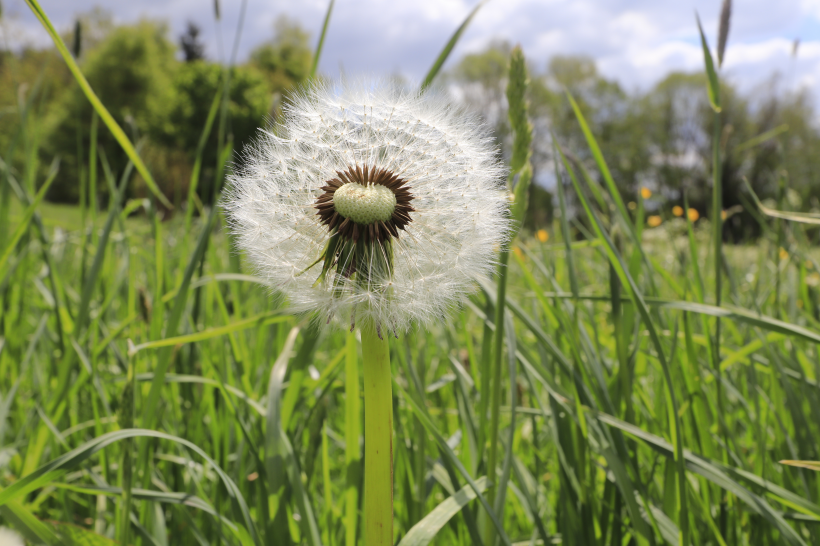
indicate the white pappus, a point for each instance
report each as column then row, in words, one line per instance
column 447, row 219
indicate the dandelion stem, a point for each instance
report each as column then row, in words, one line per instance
column 378, row 439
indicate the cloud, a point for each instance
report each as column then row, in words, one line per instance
column 635, row 42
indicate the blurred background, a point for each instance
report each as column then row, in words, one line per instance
column 636, row 68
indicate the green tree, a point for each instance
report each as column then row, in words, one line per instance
column 131, row 71
column 286, row 59
column 195, row 85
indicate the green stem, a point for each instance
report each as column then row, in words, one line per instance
column 352, row 427
column 495, row 395
column 126, row 420
column 717, row 242
column 378, row 440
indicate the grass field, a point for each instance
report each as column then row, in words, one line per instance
column 151, row 387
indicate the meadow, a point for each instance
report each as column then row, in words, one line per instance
column 652, row 377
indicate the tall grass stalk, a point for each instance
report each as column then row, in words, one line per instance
column 519, row 165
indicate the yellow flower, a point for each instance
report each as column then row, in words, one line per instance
column 784, row 254
column 677, row 211
column 723, row 215
column 519, row 253
column 631, row 205
column 542, row 235
column 654, row 221
column 693, row 214
column 646, row 193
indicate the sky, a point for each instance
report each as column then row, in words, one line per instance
column 636, row 42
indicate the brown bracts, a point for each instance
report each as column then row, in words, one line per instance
column 376, row 230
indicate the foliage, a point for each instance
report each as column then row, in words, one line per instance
column 195, row 84
column 158, row 100
column 131, row 73
column 605, row 322
column 660, row 139
column 286, row 59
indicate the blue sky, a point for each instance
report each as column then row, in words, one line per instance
column 636, row 42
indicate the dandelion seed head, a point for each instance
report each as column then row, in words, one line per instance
column 10, row 538
column 414, row 178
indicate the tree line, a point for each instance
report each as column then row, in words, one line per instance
column 162, row 90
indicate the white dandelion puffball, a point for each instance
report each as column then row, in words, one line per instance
column 371, row 204
column 10, row 538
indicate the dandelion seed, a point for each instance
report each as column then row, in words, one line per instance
column 374, row 229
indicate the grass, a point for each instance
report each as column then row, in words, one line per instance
column 577, row 434
column 151, row 390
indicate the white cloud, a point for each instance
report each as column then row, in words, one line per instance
column 634, row 41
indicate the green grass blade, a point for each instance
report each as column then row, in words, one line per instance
column 442, row 57
column 22, row 227
column 713, row 83
column 310, row 530
column 58, row 467
column 195, row 172
column 761, row 138
column 315, row 64
column 598, row 156
column 150, row 407
column 99, row 256
column 101, row 110
column 32, row 528
column 353, row 470
column 263, row 319
column 801, row 217
column 444, row 446
column 637, row 298
column 714, row 473
column 422, row 533
column 274, row 434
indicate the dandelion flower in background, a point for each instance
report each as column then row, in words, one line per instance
column 646, row 193
column 654, row 221
column 10, row 538
column 677, row 210
column 693, row 214
column 370, row 203
column 542, row 235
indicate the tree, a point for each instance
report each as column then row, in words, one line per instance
column 195, row 85
column 130, row 71
column 192, row 48
column 285, row 60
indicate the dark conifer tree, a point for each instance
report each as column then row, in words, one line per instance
column 192, row 47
